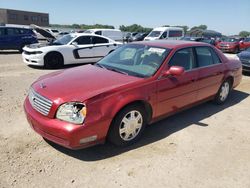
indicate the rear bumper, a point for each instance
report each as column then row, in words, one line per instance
column 66, row 134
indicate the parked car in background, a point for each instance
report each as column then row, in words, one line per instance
column 62, row 34
column 69, row 49
column 137, row 84
column 208, row 41
column 114, row 34
column 245, row 43
column 139, row 36
column 173, row 33
column 15, row 38
column 229, row 45
column 244, row 57
column 54, row 32
column 187, row 38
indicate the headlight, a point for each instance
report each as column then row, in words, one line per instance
column 73, row 112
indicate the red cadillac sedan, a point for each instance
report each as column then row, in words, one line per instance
column 137, row 84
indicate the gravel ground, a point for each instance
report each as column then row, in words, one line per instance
column 206, row 146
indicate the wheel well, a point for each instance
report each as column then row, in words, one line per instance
column 231, row 79
column 54, row 53
column 146, row 106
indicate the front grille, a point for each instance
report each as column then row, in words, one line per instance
column 39, row 103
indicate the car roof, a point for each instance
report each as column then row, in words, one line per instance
column 14, row 27
column 88, row 34
column 172, row 43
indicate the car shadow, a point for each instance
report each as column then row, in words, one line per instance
column 156, row 131
column 6, row 52
column 61, row 68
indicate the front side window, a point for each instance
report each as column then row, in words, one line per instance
column 183, row 58
column 164, row 35
column 204, row 56
column 83, row 40
column 99, row 40
column 135, row 59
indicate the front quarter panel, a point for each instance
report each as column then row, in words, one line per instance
column 106, row 106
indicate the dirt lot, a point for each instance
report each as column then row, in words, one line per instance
column 206, row 146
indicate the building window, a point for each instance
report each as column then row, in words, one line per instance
column 25, row 17
column 34, row 18
column 45, row 19
column 13, row 16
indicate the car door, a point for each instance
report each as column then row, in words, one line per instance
column 101, row 47
column 83, row 49
column 176, row 92
column 13, row 38
column 211, row 72
column 3, row 39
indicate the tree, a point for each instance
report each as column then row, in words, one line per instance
column 244, row 33
column 134, row 28
column 203, row 27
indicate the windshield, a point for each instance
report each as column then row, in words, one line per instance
column 154, row 34
column 135, row 59
column 63, row 40
column 230, row 40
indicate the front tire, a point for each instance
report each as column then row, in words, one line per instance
column 53, row 60
column 223, row 92
column 127, row 126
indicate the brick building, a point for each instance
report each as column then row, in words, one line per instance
column 9, row 16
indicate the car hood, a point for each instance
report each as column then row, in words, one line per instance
column 33, row 47
column 42, row 31
column 80, row 83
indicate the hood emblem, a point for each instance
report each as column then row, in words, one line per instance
column 42, row 86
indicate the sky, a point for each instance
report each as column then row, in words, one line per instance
column 226, row 16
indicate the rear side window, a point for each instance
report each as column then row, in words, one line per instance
column 175, row 33
column 206, row 56
column 83, row 40
column 2, row 31
column 183, row 58
column 12, row 31
column 99, row 40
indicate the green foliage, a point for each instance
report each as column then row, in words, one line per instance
column 135, row 28
column 203, row 27
column 244, row 33
column 82, row 26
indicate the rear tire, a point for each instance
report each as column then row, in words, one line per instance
column 223, row 92
column 53, row 60
column 128, row 126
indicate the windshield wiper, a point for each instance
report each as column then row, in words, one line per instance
column 99, row 65
column 117, row 70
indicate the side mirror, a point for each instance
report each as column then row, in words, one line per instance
column 74, row 43
column 174, row 71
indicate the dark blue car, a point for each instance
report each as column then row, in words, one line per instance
column 14, row 38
